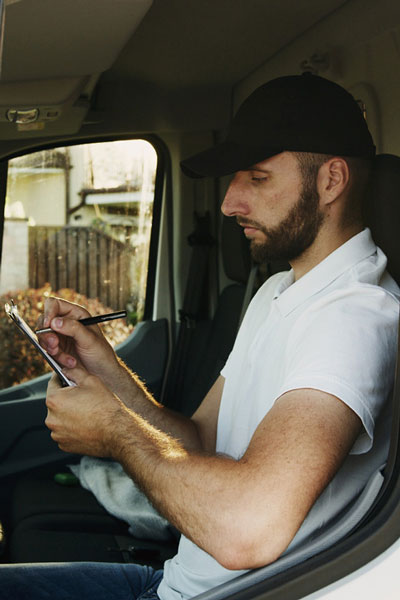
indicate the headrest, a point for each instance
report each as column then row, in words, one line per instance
column 235, row 250
column 383, row 209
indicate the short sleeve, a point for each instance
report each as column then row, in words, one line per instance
column 345, row 345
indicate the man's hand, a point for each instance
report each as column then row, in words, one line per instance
column 74, row 344
column 83, row 419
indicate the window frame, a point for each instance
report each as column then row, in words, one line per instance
column 162, row 161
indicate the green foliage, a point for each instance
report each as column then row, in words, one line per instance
column 19, row 361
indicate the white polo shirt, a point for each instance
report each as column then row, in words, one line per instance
column 334, row 330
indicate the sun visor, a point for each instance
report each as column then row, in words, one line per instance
column 52, row 55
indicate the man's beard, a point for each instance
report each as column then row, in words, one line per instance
column 294, row 234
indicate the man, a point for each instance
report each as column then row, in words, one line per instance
column 287, row 435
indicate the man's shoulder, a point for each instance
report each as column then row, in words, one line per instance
column 352, row 309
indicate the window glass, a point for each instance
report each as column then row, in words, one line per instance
column 77, row 225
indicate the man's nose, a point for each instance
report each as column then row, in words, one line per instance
column 235, row 202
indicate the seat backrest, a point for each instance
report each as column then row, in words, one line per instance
column 211, row 340
column 382, row 213
column 235, row 251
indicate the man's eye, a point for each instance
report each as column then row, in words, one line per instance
column 259, row 179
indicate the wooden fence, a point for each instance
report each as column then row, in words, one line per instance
column 83, row 259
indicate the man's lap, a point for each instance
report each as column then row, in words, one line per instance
column 80, row 581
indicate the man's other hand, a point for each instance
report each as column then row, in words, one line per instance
column 82, row 419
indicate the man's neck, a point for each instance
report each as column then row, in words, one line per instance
column 324, row 244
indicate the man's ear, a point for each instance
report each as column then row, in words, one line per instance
column 333, row 179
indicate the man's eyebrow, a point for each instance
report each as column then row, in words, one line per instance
column 259, row 169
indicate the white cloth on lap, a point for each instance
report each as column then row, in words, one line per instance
column 120, row 496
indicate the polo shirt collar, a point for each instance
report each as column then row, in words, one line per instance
column 289, row 294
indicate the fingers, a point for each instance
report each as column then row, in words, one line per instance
column 54, row 307
column 84, row 336
column 65, row 360
column 80, row 376
column 73, row 344
column 51, row 343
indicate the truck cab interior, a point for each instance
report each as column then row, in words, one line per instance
column 99, row 102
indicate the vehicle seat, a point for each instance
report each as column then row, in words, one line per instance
column 213, row 339
column 382, row 212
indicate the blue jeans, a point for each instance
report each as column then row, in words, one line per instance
column 78, row 581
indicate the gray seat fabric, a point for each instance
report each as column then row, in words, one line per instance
column 212, row 339
column 382, row 212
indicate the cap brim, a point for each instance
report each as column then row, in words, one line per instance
column 225, row 159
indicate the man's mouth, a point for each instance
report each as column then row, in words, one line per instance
column 248, row 231
column 249, row 228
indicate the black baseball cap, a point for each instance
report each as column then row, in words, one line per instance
column 299, row 113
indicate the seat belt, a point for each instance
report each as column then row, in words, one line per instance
column 193, row 308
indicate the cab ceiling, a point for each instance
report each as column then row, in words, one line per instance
column 204, row 42
column 154, row 58
column 178, row 70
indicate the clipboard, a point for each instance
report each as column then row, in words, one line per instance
column 12, row 312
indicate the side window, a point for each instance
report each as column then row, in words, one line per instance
column 78, row 223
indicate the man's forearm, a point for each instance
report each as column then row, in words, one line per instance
column 192, row 489
column 133, row 393
column 243, row 512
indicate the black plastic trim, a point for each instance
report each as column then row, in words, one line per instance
column 3, row 192
column 163, row 161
